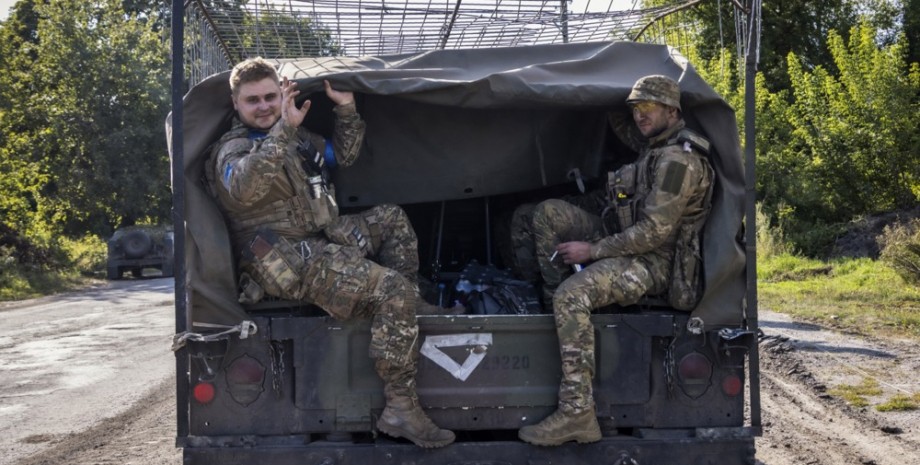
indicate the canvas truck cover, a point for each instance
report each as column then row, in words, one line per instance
column 453, row 124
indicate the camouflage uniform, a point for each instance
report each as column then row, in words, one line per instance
column 523, row 255
column 672, row 182
column 321, row 257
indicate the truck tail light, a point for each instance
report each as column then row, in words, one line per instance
column 694, row 373
column 245, row 379
column 694, row 368
column 731, row 385
column 203, row 392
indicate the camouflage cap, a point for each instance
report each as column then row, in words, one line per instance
column 656, row 88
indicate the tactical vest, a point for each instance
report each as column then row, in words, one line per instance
column 627, row 189
column 308, row 197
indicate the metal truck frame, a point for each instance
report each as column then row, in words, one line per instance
column 283, row 383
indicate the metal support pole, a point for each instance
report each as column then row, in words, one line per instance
column 564, row 17
column 750, row 179
column 178, row 213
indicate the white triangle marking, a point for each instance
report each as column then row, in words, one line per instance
column 480, row 342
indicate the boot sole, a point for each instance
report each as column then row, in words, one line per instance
column 579, row 438
column 397, row 432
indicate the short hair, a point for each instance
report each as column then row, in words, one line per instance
column 251, row 70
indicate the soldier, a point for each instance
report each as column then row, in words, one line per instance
column 270, row 176
column 659, row 203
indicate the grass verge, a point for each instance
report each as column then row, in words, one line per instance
column 861, row 296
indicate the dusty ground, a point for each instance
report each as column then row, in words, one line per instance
column 803, row 425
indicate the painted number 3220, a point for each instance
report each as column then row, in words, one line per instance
column 507, row 362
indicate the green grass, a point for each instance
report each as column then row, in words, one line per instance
column 19, row 284
column 899, row 402
column 858, row 295
column 70, row 264
column 856, row 395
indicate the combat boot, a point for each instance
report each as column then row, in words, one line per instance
column 403, row 418
column 561, row 427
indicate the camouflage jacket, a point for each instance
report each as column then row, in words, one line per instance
column 671, row 184
column 260, row 180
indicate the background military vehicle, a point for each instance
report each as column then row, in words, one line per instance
column 134, row 248
column 459, row 138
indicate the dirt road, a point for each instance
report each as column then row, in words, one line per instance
column 75, row 365
column 81, row 389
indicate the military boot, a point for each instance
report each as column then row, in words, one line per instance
column 561, row 427
column 403, row 418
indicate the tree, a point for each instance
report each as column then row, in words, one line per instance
column 788, row 26
column 911, row 22
column 845, row 145
column 87, row 103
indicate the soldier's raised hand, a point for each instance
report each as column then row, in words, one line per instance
column 292, row 115
column 338, row 96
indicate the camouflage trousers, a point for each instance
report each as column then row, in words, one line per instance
column 369, row 270
column 618, row 280
column 523, row 255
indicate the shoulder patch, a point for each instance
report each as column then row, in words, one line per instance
column 674, row 177
column 228, row 175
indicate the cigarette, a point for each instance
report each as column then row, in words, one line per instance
column 553, row 257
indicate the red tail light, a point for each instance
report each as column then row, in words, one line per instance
column 203, row 392
column 731, row 385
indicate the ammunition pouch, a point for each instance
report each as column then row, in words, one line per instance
column 686, row 286
column 276, row 265
column 621, row 190
column 250, row 291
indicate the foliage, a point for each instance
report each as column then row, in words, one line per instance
column 83, row 104
column 312, row 39
column 268, row 32
column 842, row 142
column 19, row 280
column 771, row 241
column 911, row 24
column 901, row 250
column 87, row 254
column 789, row 26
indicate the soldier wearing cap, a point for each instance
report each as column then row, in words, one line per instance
column 270, row 177
column 628, row 250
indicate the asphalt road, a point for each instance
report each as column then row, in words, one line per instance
column 68, row 362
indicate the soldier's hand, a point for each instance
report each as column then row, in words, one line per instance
column 337, row 96
column 574, row 252
column 292, row 115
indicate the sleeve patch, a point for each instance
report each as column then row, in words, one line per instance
column 228, row 174
column 674, row 177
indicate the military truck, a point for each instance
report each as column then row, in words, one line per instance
column 459, row 138
column 134, row 248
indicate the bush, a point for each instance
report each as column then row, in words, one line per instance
column 901, row 249
column 771, row 241
column 87, row 255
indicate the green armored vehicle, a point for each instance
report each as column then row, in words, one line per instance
column 134, row 248
column 459, row 138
